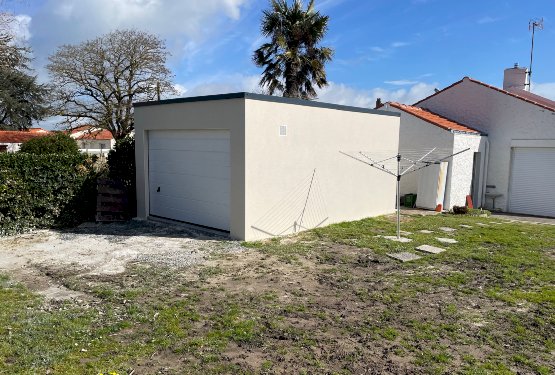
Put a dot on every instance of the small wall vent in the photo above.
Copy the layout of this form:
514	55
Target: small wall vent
283	130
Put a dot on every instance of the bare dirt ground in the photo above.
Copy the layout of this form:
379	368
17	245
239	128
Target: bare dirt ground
103	249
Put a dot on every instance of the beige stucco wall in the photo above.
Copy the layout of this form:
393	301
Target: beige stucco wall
279	169
506	120
203	115
272	175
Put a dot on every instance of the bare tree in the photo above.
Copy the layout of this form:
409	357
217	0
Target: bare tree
98	80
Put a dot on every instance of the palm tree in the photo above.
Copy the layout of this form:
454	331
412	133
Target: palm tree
293	61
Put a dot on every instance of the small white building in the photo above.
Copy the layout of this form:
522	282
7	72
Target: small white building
423	130
92	140
260	166
515	158
11	140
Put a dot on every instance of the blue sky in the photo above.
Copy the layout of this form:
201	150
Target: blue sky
394	49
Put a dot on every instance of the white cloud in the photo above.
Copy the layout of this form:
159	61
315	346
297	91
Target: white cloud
336	93
401	82
184	24
16	25
166	17
546	90
399	44
346	95
220	84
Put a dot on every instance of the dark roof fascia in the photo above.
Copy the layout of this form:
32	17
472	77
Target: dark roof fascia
267	98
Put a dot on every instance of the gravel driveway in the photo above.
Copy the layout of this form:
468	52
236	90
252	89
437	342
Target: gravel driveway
104	249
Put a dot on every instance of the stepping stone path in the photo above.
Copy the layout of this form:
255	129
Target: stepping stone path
447	229
425	231
405	233
482	225
447	240
394	238
430	249
404	257
465	226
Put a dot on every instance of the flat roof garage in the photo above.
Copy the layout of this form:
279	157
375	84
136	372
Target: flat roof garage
259	166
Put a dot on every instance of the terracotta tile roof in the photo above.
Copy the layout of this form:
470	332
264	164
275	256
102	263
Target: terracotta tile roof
20	136
524	95
88	132
434	118
101	135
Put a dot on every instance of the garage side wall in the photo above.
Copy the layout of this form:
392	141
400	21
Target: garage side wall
296	177
200	115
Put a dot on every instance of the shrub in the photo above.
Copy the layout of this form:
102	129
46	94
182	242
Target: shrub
42	191
57	143
121	164
460	210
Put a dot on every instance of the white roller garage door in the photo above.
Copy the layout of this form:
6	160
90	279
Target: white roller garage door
189	176
532	189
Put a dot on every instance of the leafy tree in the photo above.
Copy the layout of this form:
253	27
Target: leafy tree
98	80
57	143
293	61
22	99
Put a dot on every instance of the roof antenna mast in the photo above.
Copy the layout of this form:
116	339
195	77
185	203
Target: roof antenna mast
532	26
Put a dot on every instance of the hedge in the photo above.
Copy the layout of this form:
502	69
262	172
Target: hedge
45	191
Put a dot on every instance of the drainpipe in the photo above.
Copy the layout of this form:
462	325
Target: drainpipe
485	175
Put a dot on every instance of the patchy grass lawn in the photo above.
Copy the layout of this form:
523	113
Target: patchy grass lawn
326	301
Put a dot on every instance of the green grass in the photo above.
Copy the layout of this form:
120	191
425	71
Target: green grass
329	301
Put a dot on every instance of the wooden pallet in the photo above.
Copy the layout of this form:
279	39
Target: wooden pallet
111	201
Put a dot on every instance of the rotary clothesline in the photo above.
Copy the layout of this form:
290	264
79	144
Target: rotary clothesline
402	163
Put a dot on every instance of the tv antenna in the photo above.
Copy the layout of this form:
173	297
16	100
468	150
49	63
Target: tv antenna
532	26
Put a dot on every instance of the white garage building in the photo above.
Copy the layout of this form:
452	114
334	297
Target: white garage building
260	166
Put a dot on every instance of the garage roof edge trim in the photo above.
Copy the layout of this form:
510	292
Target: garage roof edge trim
267	98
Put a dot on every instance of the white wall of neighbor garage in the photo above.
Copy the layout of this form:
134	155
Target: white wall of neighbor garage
270	175
279	168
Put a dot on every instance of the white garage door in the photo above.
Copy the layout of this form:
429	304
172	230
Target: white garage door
189	176
532	189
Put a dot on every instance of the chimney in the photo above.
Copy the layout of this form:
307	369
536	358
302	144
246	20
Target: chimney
516	79
379	103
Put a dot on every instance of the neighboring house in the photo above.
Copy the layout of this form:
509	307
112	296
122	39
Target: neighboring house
424	130
260	166
92	140
514	161
11	140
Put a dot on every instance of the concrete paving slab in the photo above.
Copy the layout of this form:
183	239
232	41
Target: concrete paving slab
465	226
425	231
447	229
404	256
394	238
447	240
403	233
482	225
430	249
